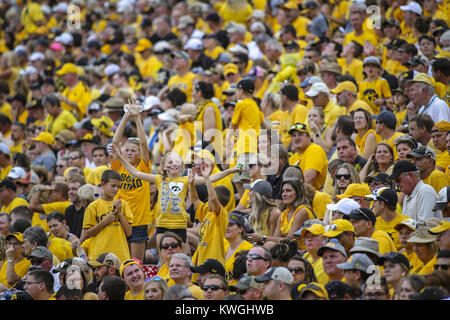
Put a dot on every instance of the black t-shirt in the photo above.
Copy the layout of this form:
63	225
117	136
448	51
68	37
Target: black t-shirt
74	219
276	183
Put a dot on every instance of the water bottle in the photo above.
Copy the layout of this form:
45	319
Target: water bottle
81	253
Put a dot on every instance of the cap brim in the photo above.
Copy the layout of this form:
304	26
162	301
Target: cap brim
239	286
263	278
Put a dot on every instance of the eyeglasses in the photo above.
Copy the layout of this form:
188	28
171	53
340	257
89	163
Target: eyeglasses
172	245
441	266
74	157
213	287
60	166
296	270
97	195
345	176
308	57
32	282
256	256
375	294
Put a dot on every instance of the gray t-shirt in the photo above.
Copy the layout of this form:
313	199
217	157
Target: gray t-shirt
319	25
47	160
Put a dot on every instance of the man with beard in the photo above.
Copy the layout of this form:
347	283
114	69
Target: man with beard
107	264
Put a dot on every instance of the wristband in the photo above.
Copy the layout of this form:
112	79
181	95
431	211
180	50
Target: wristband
263	239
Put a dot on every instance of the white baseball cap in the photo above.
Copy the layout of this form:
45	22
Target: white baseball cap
345	205
317	88
65	38
412	6
36	56
17	173
194	44
150	102
111	69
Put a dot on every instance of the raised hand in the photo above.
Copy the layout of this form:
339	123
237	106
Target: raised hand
206	169
133	107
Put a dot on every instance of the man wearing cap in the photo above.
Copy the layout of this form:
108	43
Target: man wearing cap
411	12
43	257
293	112
57	118
442	233
338	210
231	73
423	95
420	198
5	160
364	220
332	253
384	207
248	288
424	244
329	72
320	96
8	196
15	265
187	30
342	231
398	58
209	267
184	79
310	157
347	97
277	283
385	126
356	270
313	238
76	96
46	156
425	159
438	135
106	264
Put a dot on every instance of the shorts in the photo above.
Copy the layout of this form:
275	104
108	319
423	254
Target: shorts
180	232
139	234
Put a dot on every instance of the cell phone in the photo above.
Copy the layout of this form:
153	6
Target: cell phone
189	171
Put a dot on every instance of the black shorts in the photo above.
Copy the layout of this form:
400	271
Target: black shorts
139	234
182	233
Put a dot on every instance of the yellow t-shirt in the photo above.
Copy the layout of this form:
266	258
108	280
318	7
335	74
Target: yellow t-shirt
413	259
384	240
112	237
21	269
248	118
211	235
184	83
286	225
298	114
79	94
164	273
389	228
60	206
37	221
423	269
31	13
229	264
321	276
5	171
148	67
438	180
94	176
61	248
170	208
65	120
443	159
369	91
361	141
319	204
196	291
20	147
240	14
314	157
332	112
13	204
355	68
184	140
129	295
275	119
135	192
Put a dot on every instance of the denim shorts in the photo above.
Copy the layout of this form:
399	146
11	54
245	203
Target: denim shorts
180	232
139	234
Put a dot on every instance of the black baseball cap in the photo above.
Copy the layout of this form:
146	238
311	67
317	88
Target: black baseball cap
394	257
35	103
402	166
380	177
213	17
395	43
337	289
236	218
247	85
388	196
8	184
210	265
387	118
362	214
19	97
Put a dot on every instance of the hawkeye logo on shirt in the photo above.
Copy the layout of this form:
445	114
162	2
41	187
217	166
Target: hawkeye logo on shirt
129	182
371	94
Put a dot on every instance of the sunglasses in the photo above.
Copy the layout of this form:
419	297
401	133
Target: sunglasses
169	245
97	195
251	165
441	266
345	176
375	294
213	287
74	157
255	257
156	278
296	270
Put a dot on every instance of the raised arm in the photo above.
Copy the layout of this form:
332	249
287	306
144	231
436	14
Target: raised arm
132	170
213	201
217	176
116	140
193	196
143	147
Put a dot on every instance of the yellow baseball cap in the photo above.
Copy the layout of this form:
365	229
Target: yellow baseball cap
424	78
66	68
104	125
442	126
45	137
143	44
230	68
345	86
443	226
16	235
301	127
290	5
315	229
314	287
337	227
355	189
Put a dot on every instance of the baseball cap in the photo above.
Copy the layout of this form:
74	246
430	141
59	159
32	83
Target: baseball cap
387	118
236	218
44	137
261	186
247	85
421	235
65	38
143	44
150	102
362	214
281	274
416	60
422	152
337	227
430	293
8	184
441	227
315	229
366	245
443	198
377	176
394	257
236	27
184	22
386	195
357	261
17	173
395	43
194	44
371	60
4	148
413	7
402	166
161	47
316	288
247	281
316	88
310	80
391	22
213	16
239	48
337	289
424	78
66	68
40	252
94	106
345	86
410	223
35	103
111	69
355	189
230	68
106	259
35	56
183	55
210	265
345	205
332	244
300	127
17	235
441	126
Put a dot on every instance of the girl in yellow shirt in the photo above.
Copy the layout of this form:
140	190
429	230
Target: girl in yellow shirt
366	138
